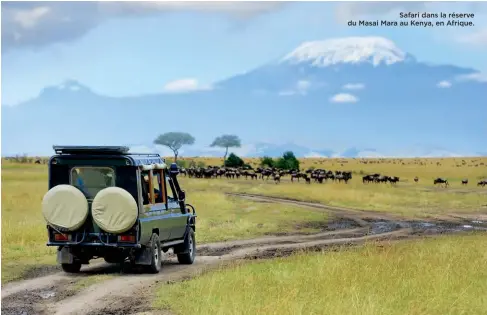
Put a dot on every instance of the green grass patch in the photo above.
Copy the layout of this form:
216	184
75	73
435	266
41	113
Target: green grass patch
439	276
223	218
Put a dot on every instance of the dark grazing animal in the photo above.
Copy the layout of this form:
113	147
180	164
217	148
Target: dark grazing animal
277	178
464	181
440	181
393	179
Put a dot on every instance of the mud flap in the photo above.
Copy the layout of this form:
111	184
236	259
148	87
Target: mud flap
181	248
64	256
144	256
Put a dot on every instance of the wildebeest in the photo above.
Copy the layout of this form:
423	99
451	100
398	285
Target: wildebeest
393	179
277	178
368	179
482	183
416	179
343	176
441	181
464	181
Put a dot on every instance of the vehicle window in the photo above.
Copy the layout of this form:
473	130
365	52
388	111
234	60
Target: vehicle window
145	187
156	179
90	180
170	189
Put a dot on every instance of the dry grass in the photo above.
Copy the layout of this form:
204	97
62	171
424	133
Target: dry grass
434	276
225	218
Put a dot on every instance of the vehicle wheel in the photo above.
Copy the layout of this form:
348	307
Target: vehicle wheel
156	253
71	268
190	248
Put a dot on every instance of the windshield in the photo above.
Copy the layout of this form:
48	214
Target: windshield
90	180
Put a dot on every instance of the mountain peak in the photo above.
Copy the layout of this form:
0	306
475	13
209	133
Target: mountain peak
66	87
369	49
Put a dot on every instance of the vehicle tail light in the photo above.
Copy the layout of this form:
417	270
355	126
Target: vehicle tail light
126	238
62	237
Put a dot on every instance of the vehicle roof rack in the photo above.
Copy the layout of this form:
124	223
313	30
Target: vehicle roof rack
92	150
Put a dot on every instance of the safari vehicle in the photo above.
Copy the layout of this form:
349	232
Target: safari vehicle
104	202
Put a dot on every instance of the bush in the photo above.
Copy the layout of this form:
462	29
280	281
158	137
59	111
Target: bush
182	163
288	161
234	161
267	162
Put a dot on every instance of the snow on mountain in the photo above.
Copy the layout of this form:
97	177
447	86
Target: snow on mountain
375	50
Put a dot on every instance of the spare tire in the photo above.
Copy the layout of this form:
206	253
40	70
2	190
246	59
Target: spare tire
114	210
65	208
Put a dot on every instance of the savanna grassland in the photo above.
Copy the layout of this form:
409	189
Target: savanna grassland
407	197
441	275
438	276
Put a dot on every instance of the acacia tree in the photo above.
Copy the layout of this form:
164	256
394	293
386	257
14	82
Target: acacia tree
226	141
174	141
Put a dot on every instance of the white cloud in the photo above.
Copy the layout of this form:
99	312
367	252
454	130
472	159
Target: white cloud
29	18
476	76
184	85
354	86
240	9
314	155
343	98
478	38
35	24
444	84
286	93
301	87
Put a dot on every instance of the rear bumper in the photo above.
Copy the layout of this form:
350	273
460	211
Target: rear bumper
82	239
94	244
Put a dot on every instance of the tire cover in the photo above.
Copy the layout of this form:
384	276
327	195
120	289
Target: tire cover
114	210
65	207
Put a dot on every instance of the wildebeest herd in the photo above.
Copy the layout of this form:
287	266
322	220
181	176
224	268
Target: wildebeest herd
315	175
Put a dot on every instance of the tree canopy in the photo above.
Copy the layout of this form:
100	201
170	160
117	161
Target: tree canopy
174	141
267	162
288	161
226	141
234	161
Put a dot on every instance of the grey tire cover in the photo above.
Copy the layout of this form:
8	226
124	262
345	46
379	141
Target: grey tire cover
65	207
114	210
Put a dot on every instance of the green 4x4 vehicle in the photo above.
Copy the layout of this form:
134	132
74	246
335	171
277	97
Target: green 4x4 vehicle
104	202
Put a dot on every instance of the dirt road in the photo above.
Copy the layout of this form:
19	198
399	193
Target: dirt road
129	292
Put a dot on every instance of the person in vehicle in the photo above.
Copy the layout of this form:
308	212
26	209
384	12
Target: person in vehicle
157	193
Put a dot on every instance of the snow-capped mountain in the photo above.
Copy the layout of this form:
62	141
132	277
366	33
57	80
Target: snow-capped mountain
357	93
374	50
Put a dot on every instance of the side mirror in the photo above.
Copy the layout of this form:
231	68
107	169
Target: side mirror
182	195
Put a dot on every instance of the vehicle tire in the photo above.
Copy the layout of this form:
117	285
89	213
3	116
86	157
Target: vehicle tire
189	245
71	268
156	253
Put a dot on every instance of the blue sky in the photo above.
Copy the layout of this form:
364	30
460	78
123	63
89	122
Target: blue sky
121	49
